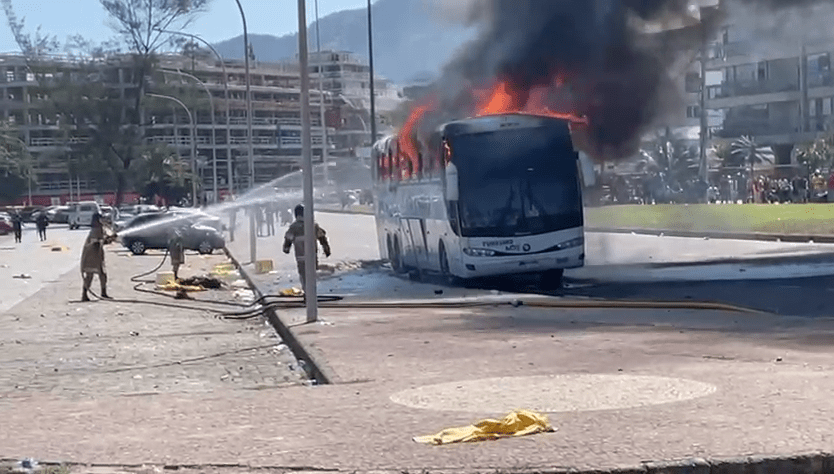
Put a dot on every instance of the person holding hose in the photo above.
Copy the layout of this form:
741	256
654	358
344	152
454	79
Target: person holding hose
295	238
92	257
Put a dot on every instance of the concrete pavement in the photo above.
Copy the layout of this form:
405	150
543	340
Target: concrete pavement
629	390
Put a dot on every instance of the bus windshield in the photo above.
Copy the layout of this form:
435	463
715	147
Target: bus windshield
514	182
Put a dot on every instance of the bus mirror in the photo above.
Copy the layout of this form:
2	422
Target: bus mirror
451	182
586	170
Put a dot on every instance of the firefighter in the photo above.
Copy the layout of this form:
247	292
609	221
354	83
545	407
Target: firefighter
92	257
177	251
295	238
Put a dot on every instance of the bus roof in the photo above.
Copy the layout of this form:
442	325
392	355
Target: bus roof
497	122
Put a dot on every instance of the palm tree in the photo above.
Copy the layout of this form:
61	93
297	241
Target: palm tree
671	153
747	151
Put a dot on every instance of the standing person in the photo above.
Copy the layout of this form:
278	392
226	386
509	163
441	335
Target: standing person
270	219
42	221
92	257
295	238
176	249
17	226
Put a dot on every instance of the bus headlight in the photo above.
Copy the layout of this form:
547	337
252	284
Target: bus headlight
479	252
573	243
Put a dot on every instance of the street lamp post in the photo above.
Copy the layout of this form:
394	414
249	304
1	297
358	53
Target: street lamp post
325	144
213	125
371	64
248	97
229	164
193	144
310	249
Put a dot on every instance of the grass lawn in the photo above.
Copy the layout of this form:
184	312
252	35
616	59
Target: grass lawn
784	219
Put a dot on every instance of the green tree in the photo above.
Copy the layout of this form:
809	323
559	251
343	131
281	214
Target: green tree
671	153
16	164
162	172
750	153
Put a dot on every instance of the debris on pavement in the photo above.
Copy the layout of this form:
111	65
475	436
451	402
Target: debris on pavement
515	424
23	276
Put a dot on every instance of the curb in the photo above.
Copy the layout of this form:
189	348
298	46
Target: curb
795	238
809	463
314	365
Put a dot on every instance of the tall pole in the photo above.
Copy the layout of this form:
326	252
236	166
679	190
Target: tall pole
702	105
248	98
213	124
193	144
229	165
310	249
325	145
371	64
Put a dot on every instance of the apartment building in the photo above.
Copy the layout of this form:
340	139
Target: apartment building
222	147
346	78
779	92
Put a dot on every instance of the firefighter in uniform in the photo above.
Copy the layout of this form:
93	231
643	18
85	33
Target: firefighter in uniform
92	257
177	251
295	238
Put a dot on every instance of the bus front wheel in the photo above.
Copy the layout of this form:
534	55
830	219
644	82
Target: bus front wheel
397	257
445	272
552	279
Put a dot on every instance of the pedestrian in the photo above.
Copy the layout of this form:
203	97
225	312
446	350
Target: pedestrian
295	238
92	257
270	219
176	249
17	226
41	222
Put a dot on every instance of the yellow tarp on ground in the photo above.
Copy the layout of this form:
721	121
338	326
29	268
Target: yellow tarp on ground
178	287
517	423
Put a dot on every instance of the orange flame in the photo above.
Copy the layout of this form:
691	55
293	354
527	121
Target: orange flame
407	138
503	99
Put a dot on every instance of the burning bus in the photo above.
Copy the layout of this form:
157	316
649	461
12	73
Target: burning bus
488	196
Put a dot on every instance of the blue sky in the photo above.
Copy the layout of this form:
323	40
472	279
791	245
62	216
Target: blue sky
222	21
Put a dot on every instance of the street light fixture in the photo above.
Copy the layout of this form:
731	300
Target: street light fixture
248	97
213	124
229	164
193	144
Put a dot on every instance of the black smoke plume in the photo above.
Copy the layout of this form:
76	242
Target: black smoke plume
614	72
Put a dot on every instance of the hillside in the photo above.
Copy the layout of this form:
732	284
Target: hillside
409	40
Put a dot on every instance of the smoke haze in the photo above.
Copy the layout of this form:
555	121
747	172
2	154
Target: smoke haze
610	70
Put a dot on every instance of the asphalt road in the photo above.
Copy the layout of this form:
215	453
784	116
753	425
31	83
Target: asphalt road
783	278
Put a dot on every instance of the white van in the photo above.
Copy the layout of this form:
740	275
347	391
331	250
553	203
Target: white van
81	213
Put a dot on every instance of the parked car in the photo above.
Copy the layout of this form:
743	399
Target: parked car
153	230
29	213
81	213
5	223
58	214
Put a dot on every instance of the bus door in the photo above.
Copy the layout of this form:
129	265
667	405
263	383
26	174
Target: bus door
415	233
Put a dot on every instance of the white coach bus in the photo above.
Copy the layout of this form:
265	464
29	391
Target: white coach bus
488	196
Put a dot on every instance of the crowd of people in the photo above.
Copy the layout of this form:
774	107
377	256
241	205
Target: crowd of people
659	188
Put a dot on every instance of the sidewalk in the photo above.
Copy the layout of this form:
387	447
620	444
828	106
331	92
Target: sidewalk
625	388
135	389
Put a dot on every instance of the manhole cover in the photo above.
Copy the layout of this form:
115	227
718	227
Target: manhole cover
552	394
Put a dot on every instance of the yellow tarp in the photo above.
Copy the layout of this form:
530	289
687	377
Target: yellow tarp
517	423
291	292
178	287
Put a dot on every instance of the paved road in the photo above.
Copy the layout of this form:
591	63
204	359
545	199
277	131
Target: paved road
784	278
37	260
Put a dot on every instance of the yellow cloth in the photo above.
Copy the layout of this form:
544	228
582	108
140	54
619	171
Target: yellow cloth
178	287
517	423
291	292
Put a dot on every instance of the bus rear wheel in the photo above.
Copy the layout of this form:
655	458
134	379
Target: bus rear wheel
397	257
552	279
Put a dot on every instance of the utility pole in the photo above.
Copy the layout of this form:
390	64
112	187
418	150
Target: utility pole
702	104
248	98
371	64
193	144
310	249
325	146
229	164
